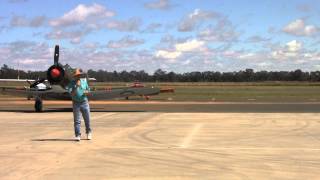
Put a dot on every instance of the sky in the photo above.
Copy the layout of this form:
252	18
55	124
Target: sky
174	35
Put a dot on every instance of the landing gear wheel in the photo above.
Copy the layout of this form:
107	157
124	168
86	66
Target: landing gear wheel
38	105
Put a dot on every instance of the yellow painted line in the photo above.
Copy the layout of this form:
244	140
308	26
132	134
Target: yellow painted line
188	139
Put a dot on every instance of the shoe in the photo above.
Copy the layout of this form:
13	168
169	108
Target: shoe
78	138
89	136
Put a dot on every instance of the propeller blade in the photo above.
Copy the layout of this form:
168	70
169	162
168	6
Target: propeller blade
41	80
56	55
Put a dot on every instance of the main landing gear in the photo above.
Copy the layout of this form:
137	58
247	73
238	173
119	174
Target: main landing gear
38	105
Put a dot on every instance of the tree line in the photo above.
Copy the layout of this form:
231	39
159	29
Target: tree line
248	75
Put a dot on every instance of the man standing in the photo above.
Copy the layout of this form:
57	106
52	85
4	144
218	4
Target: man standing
79	89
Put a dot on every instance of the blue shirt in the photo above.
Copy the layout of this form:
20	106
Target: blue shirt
79	95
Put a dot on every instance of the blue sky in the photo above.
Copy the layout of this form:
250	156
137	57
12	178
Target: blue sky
173	35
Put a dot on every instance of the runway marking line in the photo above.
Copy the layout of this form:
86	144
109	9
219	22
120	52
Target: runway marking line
103	115
110	138
216	148
188	139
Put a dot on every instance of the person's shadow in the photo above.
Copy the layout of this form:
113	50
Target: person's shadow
55	139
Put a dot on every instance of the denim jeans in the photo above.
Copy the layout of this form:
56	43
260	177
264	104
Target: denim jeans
84	108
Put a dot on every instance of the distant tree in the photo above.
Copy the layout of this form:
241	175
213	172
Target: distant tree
315	76
248	75
159	75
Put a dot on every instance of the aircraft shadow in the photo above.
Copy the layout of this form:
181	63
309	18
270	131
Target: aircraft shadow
55	110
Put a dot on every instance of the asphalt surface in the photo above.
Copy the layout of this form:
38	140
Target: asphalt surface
157	145
168	106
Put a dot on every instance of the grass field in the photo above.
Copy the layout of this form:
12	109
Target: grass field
226	92
268	92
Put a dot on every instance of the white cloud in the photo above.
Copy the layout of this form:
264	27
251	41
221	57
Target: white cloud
244	56
159	4
90	46
168	54
82	14
194	19
290	52
264	64
231	54
299	28
247	56
111	60
130	25
180	48
294	52
294	46
312	56
28	61
21	21
187	62
152	28
38	56
30	55
189	45
74	36
257	39
221	30
125	42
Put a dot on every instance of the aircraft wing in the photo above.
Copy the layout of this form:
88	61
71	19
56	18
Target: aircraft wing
61	94
32	80
14	91
122	92
28	92
16	80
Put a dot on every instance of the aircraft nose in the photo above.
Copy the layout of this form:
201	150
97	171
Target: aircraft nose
55	73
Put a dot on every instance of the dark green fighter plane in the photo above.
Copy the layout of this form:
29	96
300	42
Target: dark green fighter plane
59	76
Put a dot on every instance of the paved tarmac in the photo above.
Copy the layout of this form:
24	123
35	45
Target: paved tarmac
159	145
18	105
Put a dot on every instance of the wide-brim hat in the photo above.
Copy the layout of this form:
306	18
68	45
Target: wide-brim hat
77	72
